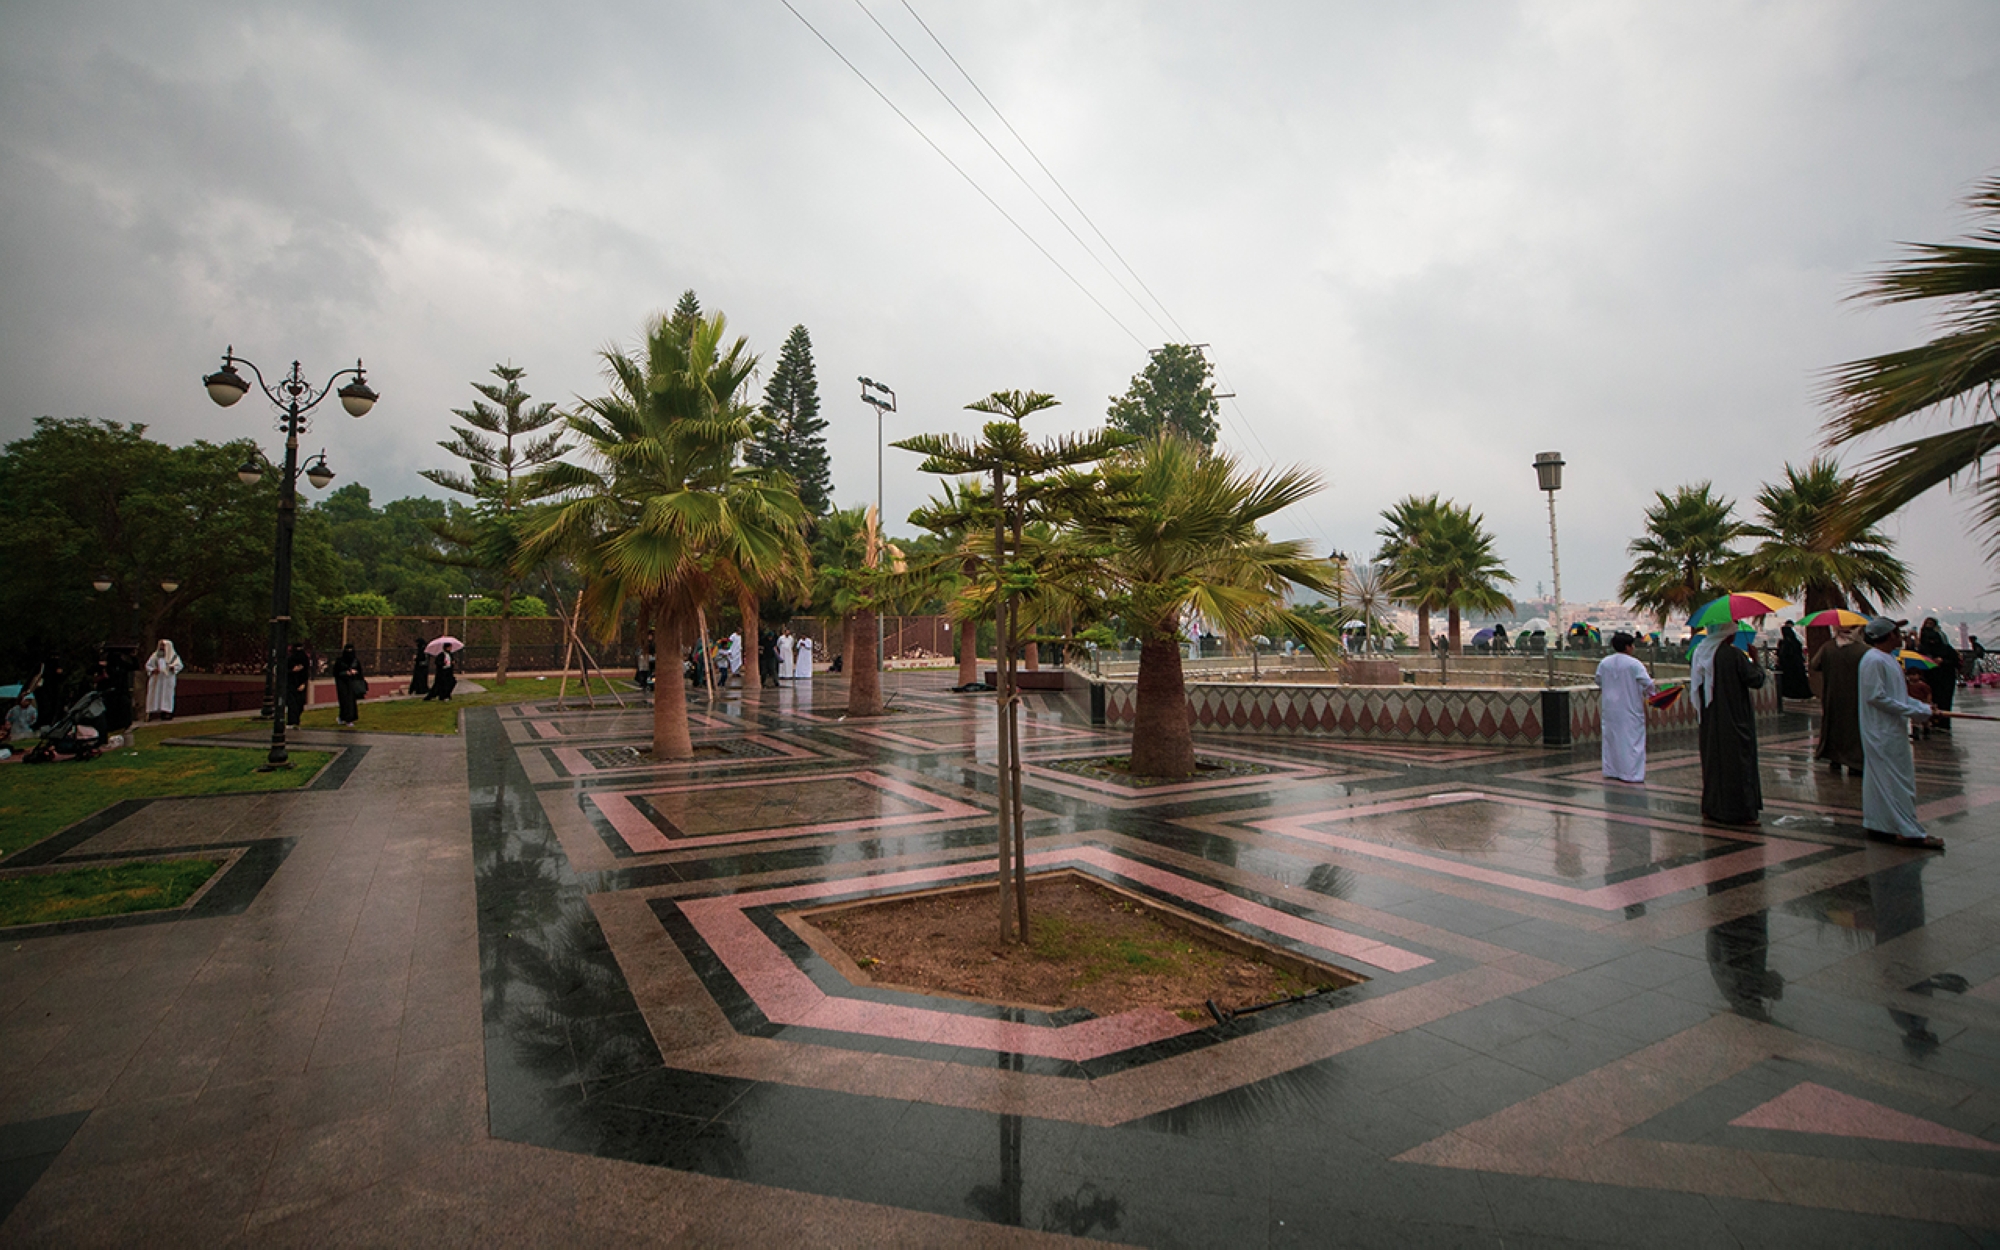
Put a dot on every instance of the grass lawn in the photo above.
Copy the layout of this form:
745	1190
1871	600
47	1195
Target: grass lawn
85	892
36	800
414	716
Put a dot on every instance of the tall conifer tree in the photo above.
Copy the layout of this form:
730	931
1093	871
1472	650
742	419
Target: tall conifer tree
503	444
790	436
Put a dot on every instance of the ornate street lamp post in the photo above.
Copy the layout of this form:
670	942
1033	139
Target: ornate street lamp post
294	398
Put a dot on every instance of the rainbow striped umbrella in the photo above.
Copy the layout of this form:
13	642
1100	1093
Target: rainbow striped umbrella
1737	607
1835	618
1916	661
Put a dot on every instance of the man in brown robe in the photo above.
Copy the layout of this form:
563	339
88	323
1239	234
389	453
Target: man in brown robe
1837	665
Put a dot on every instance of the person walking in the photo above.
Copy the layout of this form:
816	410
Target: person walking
1889	783
1943	677
1625	685
1793	680
1838	666
349	685
420	672
1721	682
163	670
298	676
444	677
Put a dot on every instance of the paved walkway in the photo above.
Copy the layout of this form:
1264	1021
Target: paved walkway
525	987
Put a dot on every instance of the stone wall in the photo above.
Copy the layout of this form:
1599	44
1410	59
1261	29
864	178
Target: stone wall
1482	715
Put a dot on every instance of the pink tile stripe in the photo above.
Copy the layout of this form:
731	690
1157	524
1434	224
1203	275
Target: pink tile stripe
644	837
787	996
1759	853
1812	1108
572	758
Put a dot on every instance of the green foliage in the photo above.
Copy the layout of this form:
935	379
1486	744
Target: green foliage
1814	546
1955	371
79	498
524	605
790	437
1685	549
1188	538
394	550
363	603
1173	393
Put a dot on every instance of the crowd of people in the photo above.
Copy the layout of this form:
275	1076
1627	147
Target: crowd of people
1870	709
781	657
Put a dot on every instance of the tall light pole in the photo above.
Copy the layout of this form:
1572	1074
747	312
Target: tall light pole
880	406
881	522
1549	472
294	399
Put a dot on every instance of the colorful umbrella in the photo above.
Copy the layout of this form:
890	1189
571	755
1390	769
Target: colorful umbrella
1736	607
1669	694
1835	618
1915	661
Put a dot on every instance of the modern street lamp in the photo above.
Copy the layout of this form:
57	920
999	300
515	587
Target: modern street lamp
1549	473
294	399
880	406
882	522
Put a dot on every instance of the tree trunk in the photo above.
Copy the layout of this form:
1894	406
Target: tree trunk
753	675
671	740
1031	652
506	631
1818	599
968	651
1451	628
864	680
1423	629
1162	735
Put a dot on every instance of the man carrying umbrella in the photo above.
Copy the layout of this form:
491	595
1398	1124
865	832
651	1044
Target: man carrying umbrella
1889	782
1720	681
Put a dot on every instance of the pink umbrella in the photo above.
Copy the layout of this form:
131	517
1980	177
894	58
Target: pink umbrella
442	641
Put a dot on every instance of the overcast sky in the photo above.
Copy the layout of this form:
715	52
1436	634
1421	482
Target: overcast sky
1425	241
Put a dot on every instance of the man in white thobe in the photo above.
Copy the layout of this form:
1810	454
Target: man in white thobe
1889	778
802	667
1625	685
735	650
784	655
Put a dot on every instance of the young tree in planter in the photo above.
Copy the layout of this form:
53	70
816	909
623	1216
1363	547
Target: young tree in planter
1188	540
790	436
501	484
1031	482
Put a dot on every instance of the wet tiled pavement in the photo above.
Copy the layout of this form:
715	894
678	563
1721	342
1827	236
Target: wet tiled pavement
525	985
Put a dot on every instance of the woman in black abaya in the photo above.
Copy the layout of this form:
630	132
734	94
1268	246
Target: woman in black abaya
1721	682
420	672
1793	681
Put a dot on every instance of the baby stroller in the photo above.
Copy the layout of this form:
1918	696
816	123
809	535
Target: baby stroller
69	736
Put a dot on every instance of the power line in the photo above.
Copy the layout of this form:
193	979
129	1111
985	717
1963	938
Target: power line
1018	175
970	181
1185	336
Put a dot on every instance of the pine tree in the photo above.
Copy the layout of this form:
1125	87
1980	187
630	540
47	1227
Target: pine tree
1173	392
789	437
686	314
500	485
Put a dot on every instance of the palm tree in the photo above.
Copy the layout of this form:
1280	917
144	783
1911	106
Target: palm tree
856	577
1401	554
663	496
1955	371
1685	546
1189	542
1457	560
1814	548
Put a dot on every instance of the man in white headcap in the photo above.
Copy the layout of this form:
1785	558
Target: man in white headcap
1889	779
1625	685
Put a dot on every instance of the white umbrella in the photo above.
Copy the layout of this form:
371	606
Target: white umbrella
1539	625
442	641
